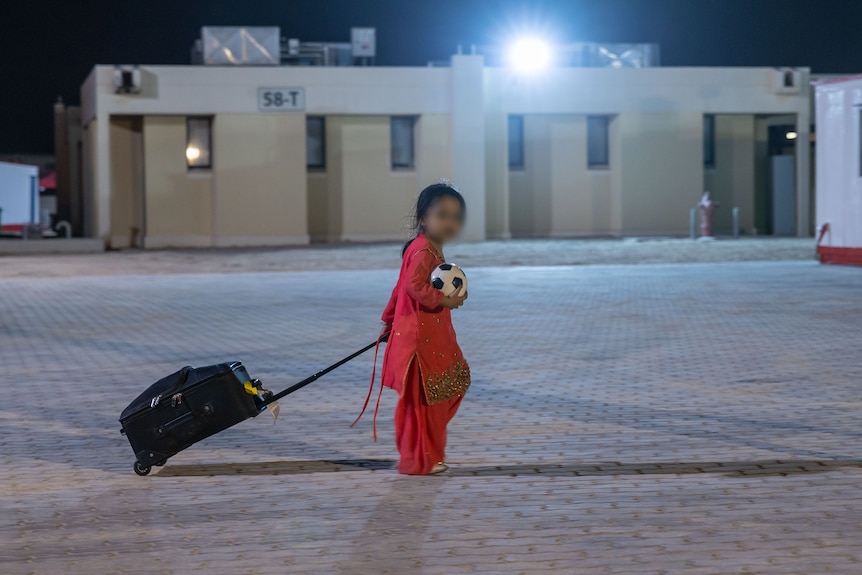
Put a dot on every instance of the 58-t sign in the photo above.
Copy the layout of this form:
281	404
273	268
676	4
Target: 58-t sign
281	99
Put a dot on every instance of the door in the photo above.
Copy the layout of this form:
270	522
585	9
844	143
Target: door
783	196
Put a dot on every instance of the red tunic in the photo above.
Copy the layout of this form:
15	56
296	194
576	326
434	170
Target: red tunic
422	330
423	363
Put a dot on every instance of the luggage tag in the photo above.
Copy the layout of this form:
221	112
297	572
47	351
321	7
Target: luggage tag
274	408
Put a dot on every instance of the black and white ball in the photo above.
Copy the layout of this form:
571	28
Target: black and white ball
448	278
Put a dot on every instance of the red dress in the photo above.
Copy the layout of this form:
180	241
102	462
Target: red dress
423	362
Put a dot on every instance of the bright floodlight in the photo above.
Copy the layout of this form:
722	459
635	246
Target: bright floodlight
529	55
193	153
791	135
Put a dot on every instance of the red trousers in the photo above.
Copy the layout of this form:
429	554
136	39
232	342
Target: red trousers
420	429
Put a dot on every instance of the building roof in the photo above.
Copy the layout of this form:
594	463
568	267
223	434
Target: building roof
836	80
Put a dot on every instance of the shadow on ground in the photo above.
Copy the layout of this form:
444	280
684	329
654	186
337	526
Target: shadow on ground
276	467
729	469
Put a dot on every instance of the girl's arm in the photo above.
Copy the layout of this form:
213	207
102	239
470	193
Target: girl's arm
418	284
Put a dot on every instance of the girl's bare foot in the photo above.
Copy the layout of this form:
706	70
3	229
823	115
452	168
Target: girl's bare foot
438	468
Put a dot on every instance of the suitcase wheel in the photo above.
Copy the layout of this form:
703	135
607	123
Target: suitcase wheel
140	469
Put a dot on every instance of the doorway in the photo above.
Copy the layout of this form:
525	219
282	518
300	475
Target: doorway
128	223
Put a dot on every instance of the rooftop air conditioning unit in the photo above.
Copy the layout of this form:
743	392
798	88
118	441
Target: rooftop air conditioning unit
127	79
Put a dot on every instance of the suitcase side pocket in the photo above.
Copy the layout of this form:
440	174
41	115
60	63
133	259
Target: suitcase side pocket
184	419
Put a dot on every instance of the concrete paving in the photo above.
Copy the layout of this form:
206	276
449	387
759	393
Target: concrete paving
539	252
657	419
43	246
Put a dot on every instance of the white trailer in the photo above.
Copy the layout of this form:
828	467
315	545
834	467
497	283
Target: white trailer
839	169
19	196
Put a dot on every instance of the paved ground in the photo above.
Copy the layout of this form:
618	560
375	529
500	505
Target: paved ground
656	419
381	256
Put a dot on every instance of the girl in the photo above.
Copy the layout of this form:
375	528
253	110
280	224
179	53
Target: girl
423	362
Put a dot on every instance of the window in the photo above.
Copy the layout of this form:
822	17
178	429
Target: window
199	143
315	142
401	128
709	140
516	142
598	153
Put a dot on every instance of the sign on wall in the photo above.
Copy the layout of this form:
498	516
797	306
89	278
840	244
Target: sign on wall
281	99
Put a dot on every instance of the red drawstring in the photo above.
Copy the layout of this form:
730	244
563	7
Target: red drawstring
371	389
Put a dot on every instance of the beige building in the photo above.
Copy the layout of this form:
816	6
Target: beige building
241	156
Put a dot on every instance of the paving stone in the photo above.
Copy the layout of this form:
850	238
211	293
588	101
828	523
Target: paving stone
658	419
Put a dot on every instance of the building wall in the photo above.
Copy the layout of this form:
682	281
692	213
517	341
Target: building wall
89	161
260	192
127	182
76	168
359	197
259	180
661	171
556	193
580	196
318	201
433	145
467	149
179	203
497	176
375	199
530	187
731	182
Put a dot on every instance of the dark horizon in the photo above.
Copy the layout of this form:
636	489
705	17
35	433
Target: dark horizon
50	47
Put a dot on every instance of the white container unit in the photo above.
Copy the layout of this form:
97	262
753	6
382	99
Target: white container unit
19	196
839	170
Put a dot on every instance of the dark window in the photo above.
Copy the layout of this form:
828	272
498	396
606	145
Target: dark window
401	129
598	141
709	140
199	143
315	142
516	142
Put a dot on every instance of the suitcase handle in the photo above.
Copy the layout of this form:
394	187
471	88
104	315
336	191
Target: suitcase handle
321	373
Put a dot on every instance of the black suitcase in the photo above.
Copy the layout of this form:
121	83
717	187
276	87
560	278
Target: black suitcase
194	403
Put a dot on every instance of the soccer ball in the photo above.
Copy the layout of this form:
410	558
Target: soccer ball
448	278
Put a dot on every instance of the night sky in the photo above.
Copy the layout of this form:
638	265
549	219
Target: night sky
48	48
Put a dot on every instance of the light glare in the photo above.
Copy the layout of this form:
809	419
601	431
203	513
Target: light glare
529	55
193	153
791	135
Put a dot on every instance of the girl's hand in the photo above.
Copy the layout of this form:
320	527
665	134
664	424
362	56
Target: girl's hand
385	330
455	300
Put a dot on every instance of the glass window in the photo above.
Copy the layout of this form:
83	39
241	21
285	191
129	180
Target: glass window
598	141
401	128
315	142
199	143
516	142
709	140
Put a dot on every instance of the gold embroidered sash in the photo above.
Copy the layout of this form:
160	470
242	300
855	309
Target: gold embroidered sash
440	387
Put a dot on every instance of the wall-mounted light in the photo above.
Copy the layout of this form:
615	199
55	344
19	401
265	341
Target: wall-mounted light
791	135
193	153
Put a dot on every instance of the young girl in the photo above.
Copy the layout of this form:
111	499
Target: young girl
423	362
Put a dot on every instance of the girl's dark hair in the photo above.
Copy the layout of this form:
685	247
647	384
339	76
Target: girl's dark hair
427	198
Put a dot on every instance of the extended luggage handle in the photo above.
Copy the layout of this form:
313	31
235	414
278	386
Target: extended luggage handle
321	373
